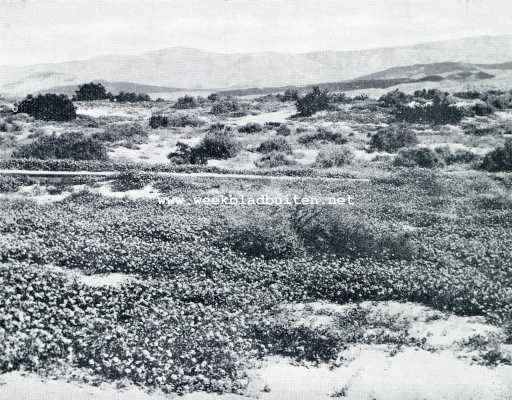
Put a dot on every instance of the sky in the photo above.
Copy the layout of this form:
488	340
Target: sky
40	31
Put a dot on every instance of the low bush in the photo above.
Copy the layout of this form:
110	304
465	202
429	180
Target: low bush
215	145
251	127
117	132
48	107
392	138
69	145
131	97
500	159
423	157
329	230
278	143
12	183
313	102
131	180
439	112
275	159
91	91
336	156
459	156
283	130
186	102
322	135
157	121
224	106
175	121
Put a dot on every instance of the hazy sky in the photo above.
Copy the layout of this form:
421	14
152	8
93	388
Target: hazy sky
35	31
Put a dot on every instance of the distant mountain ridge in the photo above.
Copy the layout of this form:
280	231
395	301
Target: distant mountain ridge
196	69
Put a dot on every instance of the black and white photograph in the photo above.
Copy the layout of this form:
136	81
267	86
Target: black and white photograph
255	200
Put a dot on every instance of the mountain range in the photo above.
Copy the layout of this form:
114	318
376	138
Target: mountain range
196	69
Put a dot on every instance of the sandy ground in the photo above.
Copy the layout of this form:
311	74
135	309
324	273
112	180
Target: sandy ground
367	372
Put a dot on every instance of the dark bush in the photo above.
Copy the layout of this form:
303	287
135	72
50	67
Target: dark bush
131	97
459	156
423	157
157	121
395	98
275	144
48	107
392	138
314	101
322	135
439	112
186	102
72	145
91	91
215	145
500	159
225	106
251	127
283	130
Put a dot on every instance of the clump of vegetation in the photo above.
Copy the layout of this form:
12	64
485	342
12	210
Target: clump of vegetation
186	102
91	91
72	145
394	99
174	121
500	159
251	127
459	156
423	157
279	144
313	102
329	230
392	138
12	183
225	106
48	107
336	156
9	125
283	130
131	180
134	133
131	97
215	145
288	95
439	112
275	159
322	135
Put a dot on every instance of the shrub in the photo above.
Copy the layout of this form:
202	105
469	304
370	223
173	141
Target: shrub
12	183
72	145
482	108
499	159
157	121
251	127
288	95
91	91
218	146
186	102
322	135
175	121
418	157
114	133
468	95
392	138
279	144
275	159
131	97
336	156
264	236
329	230
182	121
131	180
215	145
48	107
314	101
439	112
395	98
283	130
461	156
224	106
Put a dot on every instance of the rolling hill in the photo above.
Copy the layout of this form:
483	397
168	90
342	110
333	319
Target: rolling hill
196	69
